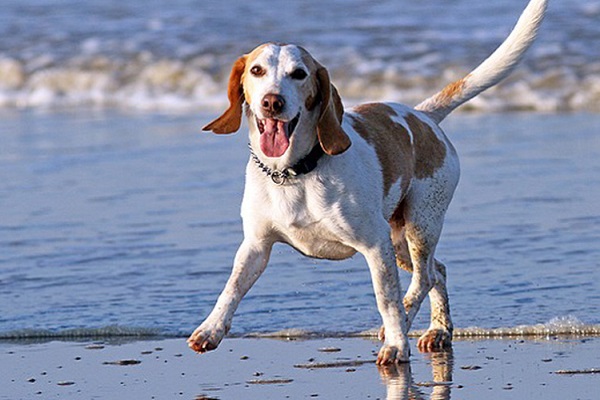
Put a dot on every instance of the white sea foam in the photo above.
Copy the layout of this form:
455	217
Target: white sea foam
111	331
170	84
559	326
169	57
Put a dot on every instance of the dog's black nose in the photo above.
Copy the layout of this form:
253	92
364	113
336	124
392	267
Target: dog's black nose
273	103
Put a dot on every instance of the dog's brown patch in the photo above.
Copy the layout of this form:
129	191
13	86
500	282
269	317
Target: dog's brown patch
322	92
390	139
430	151
444	98
398	237
250	60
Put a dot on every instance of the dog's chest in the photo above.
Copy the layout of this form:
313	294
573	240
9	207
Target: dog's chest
302	217
316	240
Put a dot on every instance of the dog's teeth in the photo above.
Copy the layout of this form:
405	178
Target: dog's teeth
261	125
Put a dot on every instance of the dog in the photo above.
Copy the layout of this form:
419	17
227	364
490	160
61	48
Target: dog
375	179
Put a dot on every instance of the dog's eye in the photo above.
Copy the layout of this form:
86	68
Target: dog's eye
257	70
298	74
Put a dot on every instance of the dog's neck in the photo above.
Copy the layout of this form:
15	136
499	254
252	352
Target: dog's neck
303	166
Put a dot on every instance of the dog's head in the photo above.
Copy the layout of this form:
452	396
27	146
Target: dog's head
289	101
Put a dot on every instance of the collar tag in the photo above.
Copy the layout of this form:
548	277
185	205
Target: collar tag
278	177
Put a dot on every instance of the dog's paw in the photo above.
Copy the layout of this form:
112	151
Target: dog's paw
435	340
205	339
390	354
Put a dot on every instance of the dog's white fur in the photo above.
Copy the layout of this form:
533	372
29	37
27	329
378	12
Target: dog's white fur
382	188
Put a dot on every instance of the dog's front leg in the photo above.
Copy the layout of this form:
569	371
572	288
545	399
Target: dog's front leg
386	283
250	261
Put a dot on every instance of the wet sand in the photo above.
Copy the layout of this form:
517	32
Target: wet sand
340	368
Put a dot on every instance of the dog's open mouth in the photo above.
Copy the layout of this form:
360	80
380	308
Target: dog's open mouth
275	135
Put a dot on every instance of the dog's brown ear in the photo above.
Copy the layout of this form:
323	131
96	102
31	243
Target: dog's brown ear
332	137
231	119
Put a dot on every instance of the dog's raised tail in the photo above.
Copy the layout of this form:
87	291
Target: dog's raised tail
491	71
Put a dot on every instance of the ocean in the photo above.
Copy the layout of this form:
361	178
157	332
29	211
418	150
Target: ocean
176	55
118	216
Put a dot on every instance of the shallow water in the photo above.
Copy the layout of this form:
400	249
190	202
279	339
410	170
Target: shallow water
133	220
177	55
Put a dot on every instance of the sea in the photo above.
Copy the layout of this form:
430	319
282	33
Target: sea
119	217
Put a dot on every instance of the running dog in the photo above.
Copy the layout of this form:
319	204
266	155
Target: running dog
375	179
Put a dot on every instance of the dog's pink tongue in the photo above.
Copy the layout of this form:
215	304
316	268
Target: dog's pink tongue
274	141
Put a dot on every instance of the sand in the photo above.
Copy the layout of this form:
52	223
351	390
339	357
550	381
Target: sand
340	368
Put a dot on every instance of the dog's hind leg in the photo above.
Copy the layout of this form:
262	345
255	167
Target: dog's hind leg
423	217
439	334
429	278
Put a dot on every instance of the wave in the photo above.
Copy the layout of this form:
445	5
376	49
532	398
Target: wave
148	84
559	326
177	55
111	331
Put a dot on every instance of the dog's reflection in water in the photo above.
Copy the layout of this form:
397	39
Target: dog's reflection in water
401	386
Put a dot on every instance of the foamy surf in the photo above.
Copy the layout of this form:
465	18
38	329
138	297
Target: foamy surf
559	326
107	332
177	85
176	57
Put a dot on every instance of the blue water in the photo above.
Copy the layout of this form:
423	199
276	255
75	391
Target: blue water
109	218
116	211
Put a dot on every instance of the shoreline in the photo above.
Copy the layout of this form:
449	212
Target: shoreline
566	327
332	368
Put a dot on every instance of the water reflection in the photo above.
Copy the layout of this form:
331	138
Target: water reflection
400	384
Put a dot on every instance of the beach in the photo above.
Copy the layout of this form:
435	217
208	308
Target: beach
139	244
338	368
120	218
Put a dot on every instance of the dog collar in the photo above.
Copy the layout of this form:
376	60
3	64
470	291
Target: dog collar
303	166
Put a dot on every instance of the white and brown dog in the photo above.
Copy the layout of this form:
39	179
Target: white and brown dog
375	179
